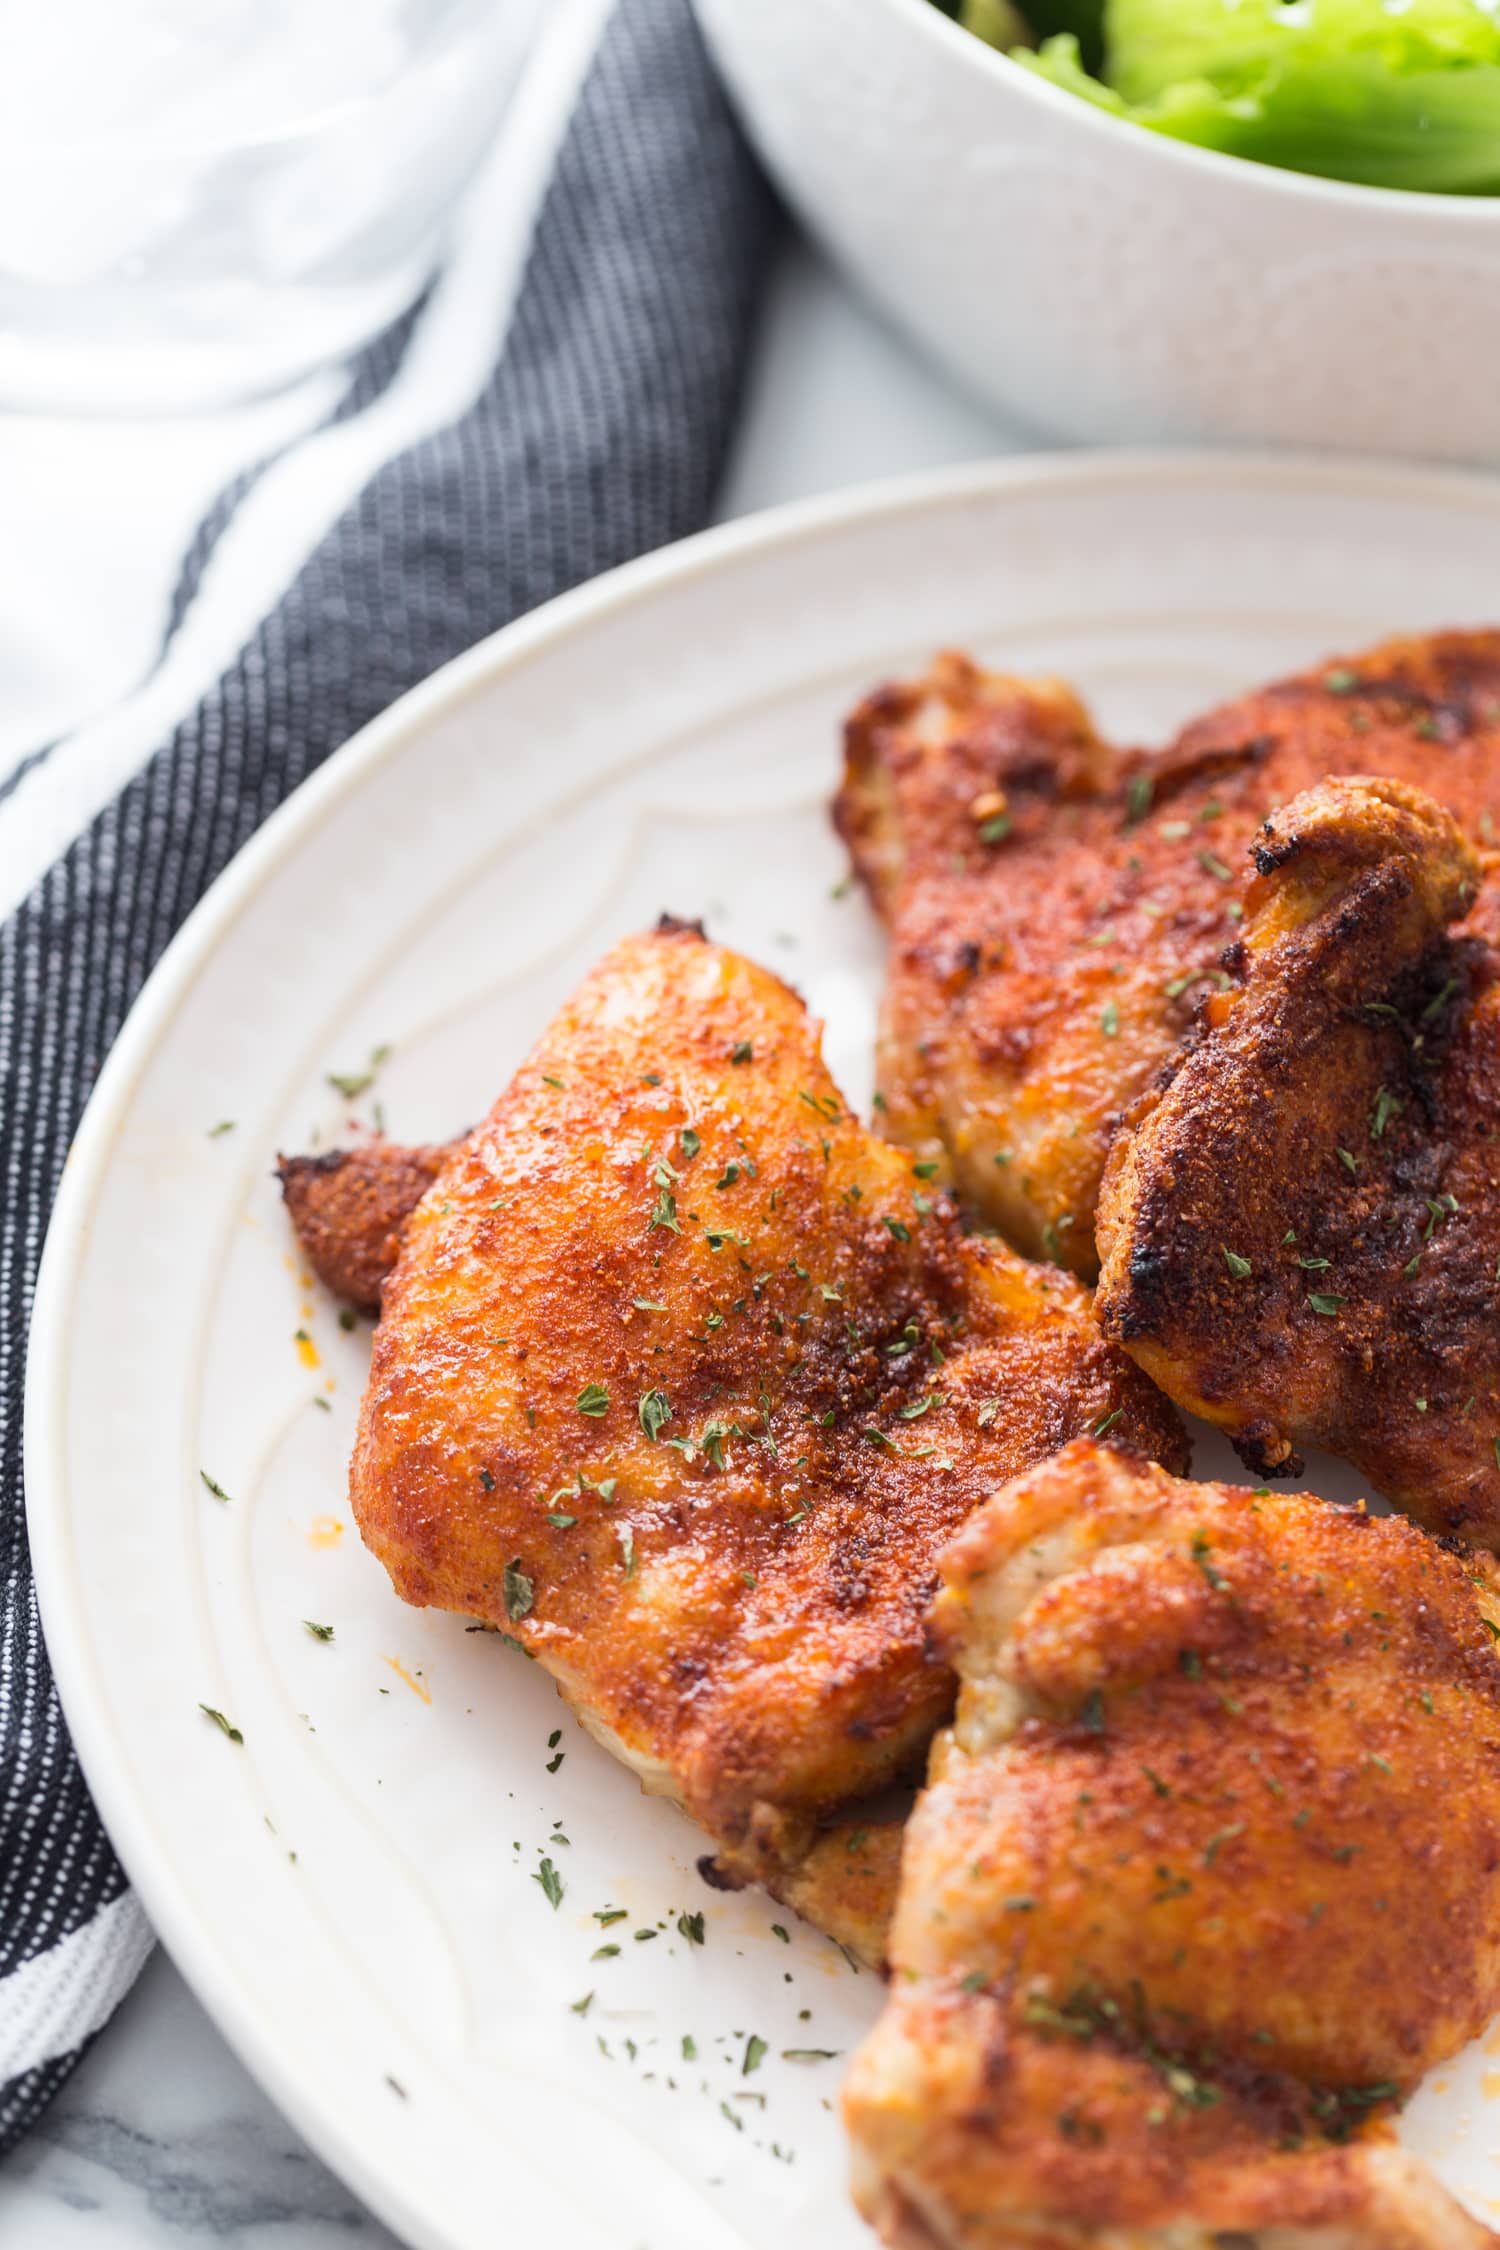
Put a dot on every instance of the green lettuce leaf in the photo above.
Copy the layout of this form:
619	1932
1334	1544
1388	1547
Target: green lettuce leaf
996	22
1083	18
1358	90
1246	46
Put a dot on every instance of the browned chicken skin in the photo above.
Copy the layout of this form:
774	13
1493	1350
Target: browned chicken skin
682	1379
349	1207
1206	1875
1058	910
1300	1228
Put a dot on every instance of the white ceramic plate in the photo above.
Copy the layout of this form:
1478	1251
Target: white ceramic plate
351	1891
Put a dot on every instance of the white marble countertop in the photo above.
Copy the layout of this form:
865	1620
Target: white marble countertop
161	2140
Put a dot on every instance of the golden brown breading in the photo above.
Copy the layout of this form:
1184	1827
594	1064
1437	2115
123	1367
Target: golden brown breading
1301	1229
844	1881
1058	910
349	1207
981	813
1206	1875
682	1379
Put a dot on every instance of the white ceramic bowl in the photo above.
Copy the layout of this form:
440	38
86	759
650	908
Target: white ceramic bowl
1102	281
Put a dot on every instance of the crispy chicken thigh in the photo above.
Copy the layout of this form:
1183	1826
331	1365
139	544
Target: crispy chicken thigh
1058	910
1206	1875
1301	1229
681	1381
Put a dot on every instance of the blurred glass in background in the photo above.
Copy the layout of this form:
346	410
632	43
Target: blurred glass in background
203	200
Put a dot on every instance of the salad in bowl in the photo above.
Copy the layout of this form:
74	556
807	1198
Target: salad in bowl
1387	93
1140	221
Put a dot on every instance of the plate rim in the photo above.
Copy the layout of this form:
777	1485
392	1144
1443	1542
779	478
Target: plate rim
198	1956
